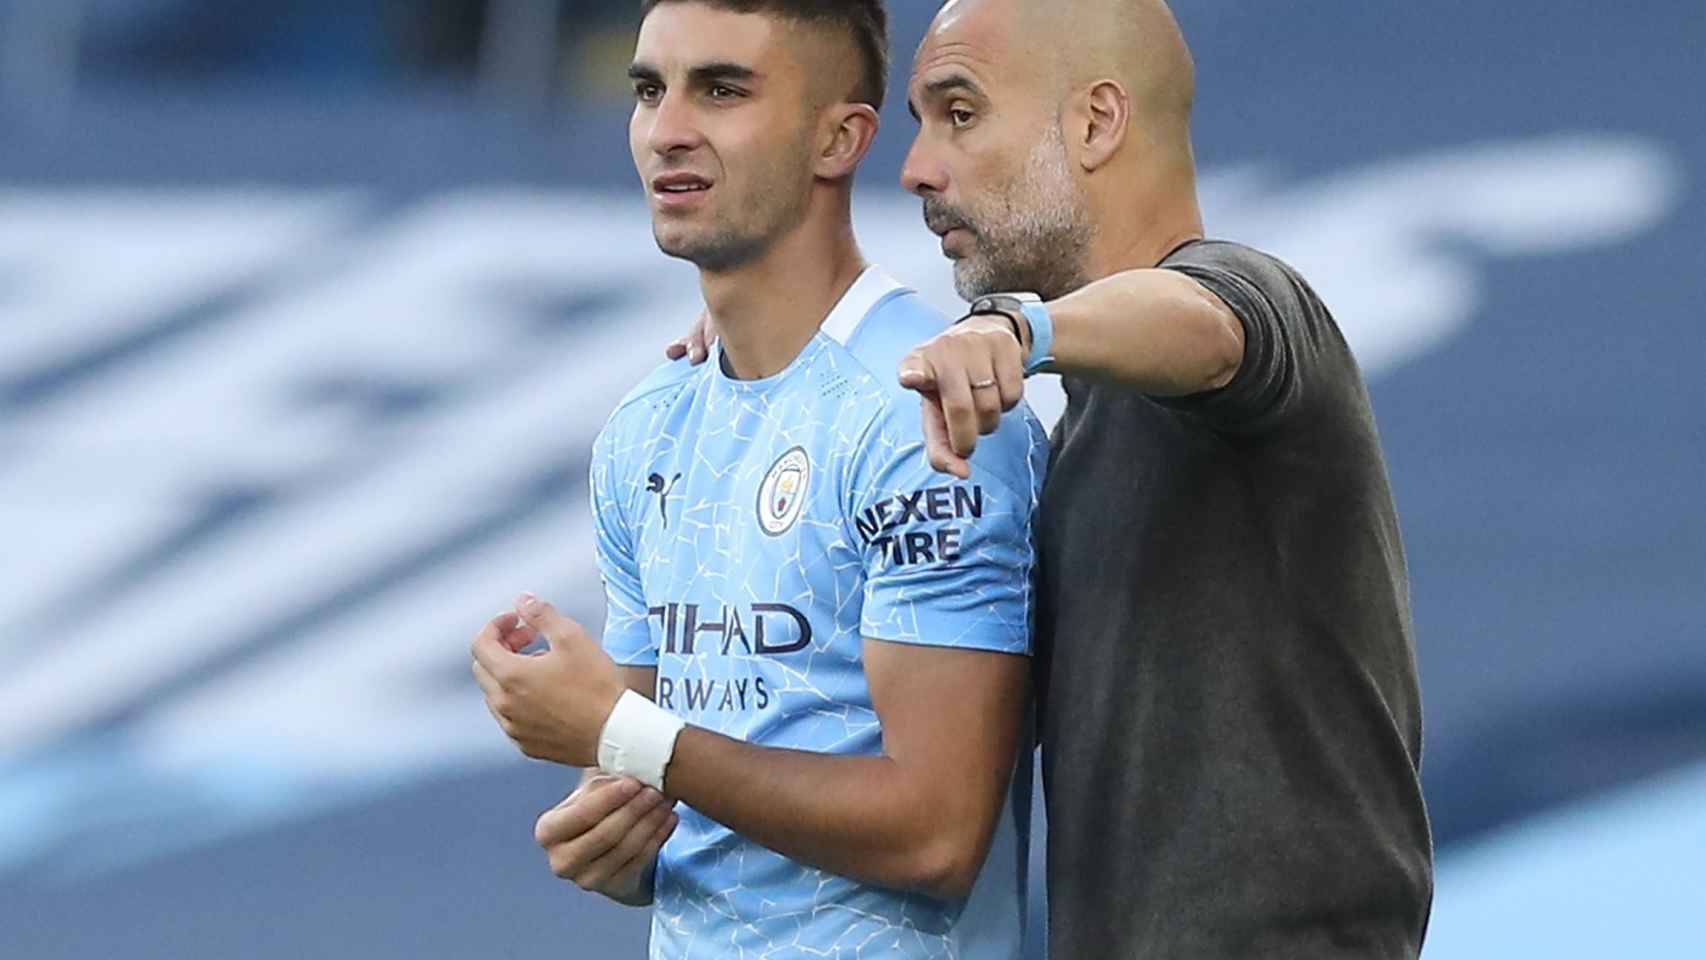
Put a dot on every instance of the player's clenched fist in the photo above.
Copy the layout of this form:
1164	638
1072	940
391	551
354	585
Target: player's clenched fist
968	376
606	836
552	704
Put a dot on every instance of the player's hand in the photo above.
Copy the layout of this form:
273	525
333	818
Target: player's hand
606	835
696	346
968	376
553	704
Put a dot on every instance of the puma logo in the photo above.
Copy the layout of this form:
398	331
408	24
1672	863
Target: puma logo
656	485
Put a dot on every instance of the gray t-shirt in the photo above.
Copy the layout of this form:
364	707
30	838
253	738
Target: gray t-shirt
1230	714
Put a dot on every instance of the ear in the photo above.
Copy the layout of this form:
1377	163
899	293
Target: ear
1104	115
849	129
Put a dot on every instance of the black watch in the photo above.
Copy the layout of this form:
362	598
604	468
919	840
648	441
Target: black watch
1039	344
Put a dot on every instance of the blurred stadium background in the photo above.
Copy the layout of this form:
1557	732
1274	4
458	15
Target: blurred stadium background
309	310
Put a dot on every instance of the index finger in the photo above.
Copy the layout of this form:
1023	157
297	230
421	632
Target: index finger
941	453
917	373
488	649
511	631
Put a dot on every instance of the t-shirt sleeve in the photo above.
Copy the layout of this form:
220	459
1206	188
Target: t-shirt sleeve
627	633
947	562
1295	358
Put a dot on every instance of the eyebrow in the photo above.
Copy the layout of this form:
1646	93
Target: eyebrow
708	73
953	82
701	75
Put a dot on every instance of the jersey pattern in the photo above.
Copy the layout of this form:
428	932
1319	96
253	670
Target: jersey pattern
751	535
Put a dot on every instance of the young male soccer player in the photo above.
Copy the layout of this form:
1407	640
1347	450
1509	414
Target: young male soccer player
814	642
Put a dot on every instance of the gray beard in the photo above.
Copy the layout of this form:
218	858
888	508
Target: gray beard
1048	276
1040	248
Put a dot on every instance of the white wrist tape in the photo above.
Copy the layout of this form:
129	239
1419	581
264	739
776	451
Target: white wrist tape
638	739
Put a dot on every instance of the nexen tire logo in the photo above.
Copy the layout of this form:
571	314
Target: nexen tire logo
880	525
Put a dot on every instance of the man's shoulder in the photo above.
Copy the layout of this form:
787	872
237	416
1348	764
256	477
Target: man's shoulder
1258	268
1217	251
669	377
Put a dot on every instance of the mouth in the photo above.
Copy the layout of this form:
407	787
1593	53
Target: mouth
953	241
942	228
948	225
679	189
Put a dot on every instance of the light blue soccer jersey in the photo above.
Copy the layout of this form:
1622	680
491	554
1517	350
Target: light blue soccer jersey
750	535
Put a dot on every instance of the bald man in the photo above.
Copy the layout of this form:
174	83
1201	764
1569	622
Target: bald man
1230	714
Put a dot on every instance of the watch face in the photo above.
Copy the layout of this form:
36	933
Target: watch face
1005	301
996	306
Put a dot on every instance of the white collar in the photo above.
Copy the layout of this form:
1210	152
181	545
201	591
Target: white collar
871	287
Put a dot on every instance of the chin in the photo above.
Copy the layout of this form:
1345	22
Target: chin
972	281
716	253
675	249
680	244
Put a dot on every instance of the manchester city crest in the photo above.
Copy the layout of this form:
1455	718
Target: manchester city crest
783	492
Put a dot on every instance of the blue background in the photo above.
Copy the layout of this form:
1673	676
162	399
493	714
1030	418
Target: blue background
300	357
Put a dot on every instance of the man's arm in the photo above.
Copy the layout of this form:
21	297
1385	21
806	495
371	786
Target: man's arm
1156	331
920	816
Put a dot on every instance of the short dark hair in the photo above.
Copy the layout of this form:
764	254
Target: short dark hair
865	21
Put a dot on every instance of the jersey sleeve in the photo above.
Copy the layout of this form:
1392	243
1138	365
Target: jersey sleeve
627	634
947	562
1296	360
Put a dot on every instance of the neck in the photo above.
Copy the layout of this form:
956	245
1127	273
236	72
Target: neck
766	311
1142	234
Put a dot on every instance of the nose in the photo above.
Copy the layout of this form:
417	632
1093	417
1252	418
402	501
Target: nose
673	126
923	174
